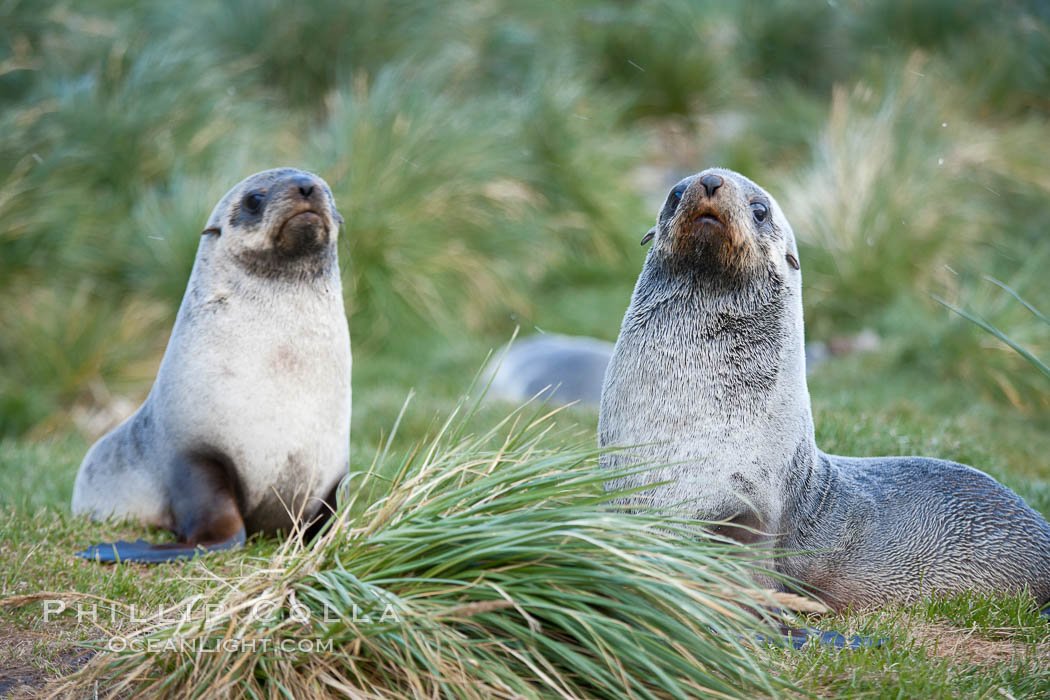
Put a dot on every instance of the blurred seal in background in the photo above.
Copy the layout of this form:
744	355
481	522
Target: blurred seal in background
560	368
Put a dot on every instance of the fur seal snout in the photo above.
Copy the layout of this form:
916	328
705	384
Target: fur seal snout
246	428
708	379
305	230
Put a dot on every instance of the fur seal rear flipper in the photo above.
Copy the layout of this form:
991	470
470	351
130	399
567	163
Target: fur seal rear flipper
246	428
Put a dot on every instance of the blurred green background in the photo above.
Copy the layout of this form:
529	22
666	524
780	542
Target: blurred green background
497	164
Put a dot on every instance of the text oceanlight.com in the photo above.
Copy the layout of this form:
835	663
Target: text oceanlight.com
226	646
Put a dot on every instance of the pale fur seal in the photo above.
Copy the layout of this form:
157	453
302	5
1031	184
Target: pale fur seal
561	369
249	417
708	379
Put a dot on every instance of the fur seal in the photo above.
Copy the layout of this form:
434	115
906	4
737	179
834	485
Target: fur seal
708	379
559	368
249	417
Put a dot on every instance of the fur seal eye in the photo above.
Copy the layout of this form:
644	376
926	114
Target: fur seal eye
252	202
760	211
674	198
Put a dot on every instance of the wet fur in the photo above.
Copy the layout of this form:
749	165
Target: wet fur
708	376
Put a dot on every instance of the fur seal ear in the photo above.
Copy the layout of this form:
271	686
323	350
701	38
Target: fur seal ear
213	230
649	236
792	261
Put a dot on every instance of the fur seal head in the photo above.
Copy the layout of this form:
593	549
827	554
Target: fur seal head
722	228
277	223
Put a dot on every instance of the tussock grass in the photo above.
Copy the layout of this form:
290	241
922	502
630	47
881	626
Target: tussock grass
1015	338
873	211
489	567
588	214
808	43
431	186
489	154
346	41
74	339
689	68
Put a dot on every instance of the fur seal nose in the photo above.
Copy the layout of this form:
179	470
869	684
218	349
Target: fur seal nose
305	185
711	183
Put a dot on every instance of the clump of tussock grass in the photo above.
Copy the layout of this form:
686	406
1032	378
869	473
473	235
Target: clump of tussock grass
71	348
818	45
879	205
507	575
585	209
809	43
24	28
81	150
927	25
613	49
345	40
669	58
429	234
458	202
1007	82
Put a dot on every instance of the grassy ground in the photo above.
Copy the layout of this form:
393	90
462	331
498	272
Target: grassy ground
496	164
863	406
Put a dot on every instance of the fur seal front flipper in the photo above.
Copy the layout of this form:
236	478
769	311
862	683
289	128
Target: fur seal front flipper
143	552
798	637
204	509
246	428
